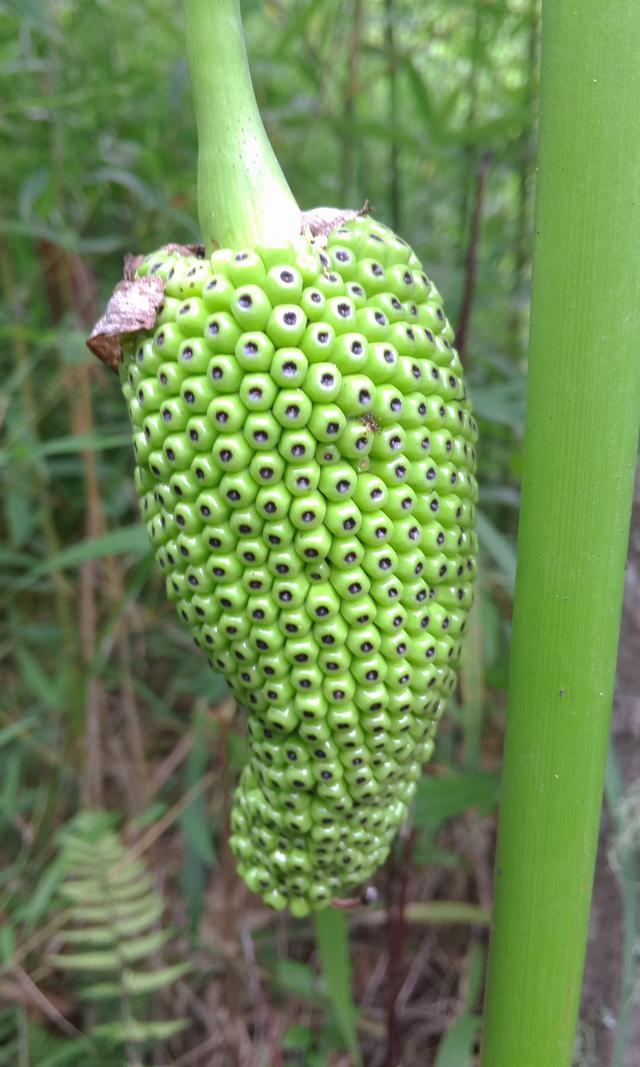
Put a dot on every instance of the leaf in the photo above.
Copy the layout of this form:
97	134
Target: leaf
451	794
332	938
131	951
122	915
86	961
102	991
43	687
297	979
474	977
16	729
136	982
502	402
447	911
499	548
422	96
87	442
297	1038
139	1032
130	540
456	1048
44	893
123	885
149	912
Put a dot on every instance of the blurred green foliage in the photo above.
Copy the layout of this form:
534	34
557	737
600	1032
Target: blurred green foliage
427	111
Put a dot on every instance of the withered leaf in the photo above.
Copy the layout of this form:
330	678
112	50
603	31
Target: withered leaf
133	306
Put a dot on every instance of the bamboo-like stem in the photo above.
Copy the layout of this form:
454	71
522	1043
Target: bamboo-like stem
580	447
243	196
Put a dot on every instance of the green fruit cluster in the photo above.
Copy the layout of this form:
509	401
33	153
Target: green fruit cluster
305	461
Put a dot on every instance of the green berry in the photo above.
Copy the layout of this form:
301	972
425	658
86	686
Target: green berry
305	459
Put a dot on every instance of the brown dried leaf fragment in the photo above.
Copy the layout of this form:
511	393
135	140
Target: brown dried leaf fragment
321	221
133	306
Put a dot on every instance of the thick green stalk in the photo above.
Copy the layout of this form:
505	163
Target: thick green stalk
243	196
580	450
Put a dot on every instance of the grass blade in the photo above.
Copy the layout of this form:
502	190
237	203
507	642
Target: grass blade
332	938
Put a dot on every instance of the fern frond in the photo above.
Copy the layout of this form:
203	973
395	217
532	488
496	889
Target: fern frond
114	932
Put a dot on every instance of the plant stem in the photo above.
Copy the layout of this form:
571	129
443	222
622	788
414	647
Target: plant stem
580	445
395	192
243	196
350	98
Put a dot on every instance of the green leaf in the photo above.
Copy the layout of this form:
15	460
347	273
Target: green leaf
332	937
136	982
297	1038
144	946
125	885
87	442
16	729
500	550
440	798
44	687
139	1032
130	540
297	978
44	893
102	991
86	961
456	1048
128	918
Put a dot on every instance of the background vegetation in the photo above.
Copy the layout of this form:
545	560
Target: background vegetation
126	935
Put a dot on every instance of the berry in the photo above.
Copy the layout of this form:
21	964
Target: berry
305	457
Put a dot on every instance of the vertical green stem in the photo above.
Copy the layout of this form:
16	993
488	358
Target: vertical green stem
395	192
350	97
243	196
581	438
